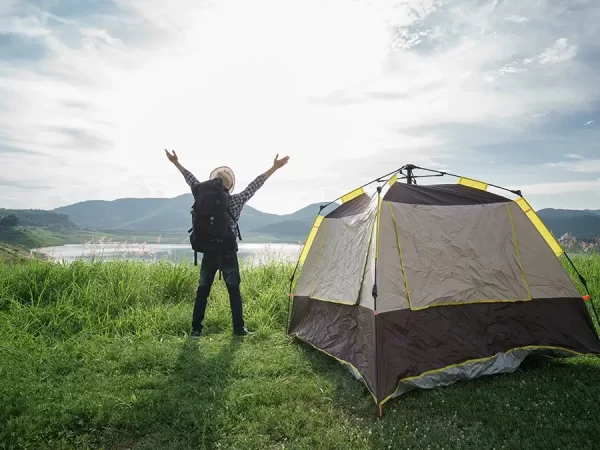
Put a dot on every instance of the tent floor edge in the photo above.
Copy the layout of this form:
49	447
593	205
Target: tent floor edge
349	366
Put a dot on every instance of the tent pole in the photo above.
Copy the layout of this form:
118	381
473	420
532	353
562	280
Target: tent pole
410	178
441	173
366	184
374	293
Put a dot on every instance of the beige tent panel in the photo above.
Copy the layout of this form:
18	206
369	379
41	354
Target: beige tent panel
391	285
453	255
310	266
336	262
366	290
545	274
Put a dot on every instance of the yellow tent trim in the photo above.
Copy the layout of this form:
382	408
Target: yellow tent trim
479	360
311	238
337	302
351	195
393	180
469	302
537	222
473	183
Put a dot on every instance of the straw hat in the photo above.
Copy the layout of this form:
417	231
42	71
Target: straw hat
226	174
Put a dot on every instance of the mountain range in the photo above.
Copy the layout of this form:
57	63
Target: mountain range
172	215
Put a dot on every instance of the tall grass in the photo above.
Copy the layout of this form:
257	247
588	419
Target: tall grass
121	298
95	355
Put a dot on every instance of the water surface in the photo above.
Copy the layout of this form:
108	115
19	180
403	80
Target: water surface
254	253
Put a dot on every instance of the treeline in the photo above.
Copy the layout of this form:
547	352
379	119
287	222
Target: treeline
34	218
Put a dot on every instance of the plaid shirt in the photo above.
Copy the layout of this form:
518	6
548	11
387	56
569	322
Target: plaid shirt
238	201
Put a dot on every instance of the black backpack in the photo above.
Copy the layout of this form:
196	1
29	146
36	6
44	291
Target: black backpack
211	220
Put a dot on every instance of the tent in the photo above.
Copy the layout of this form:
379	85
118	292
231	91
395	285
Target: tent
420	286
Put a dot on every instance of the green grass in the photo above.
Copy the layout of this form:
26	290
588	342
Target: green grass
11	254
94	355
29	237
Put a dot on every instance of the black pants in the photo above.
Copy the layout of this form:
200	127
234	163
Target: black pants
229	265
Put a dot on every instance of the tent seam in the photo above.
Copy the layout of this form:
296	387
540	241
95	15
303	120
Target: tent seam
362	281
312	289
519	261
399	246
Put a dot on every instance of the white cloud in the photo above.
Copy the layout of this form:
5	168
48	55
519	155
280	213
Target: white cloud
517	19
561	51
581	165
561	187
348	89
93	37
589	122
29	26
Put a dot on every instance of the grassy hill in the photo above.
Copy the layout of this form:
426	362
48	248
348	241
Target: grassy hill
14	254
29	238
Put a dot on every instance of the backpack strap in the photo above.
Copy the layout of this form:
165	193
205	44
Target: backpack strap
236	225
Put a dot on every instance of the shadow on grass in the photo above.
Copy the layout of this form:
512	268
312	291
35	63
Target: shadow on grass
187	410
546	403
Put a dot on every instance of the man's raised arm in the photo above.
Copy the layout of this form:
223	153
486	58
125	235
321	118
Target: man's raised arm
189	177
249	192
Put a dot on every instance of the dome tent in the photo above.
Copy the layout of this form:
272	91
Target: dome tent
420	286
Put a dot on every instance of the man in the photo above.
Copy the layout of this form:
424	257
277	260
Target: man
228	263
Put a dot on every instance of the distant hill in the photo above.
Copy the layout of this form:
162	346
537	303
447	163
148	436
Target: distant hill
580	223
152	214
172	215
39	218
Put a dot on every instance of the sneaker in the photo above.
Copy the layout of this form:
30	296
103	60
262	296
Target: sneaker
196	334
243	332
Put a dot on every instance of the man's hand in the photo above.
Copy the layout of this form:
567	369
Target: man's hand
279	163
172	157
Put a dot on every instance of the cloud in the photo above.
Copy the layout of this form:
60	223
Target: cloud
561	187
94	38
5	149
29	185
94	91
561	51
589	122
83	140
517	19
581	165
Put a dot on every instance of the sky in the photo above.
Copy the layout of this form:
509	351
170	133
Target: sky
91	93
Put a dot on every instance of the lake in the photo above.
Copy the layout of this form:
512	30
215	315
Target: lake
254	253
